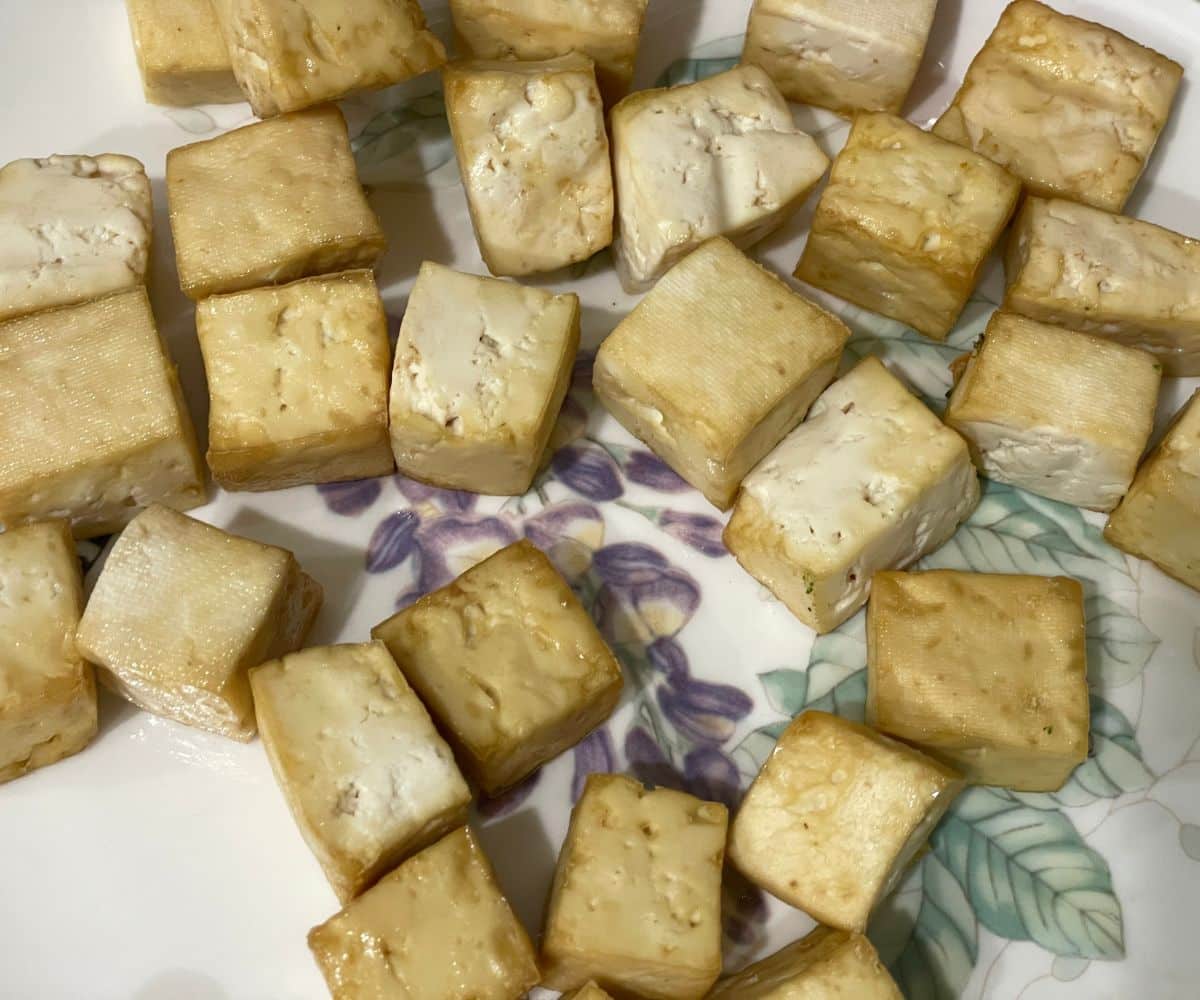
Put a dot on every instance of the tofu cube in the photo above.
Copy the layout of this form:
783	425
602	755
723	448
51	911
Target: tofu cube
1120	278
848	57
906	223
288	55
437	928
482	368
871	481
93	426
47	691
1159	519
721	157
589	992
72	228
509	663
835	817
716	365
1062	414
985	672
181	610
828	964
181	54
268	203
534	159
530	30
367	777
636	900
297	382
1071	107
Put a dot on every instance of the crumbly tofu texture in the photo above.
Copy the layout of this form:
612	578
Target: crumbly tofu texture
436	927
986	672
835	817
871	481
181	53
1071	107
298	383
906	223
1159	519
716	365
721	157
47	691
860	55
291	55
72	228
181	610
93	426
1120	278
509	663
636	900
1062	414
268	203
482	368
828	964
367	777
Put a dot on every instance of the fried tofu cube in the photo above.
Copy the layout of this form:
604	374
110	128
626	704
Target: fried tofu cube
716	365
1062	414
268	203
47	691
437	928
533	155
985	672
848	57
636	901
721	157
1071	107
509	663
589	992
93	426
482	368
288	55
367	777
297	382
1159	519
835	817
828	964
871	481
72	228
1127	280
906	223
181	610
181	54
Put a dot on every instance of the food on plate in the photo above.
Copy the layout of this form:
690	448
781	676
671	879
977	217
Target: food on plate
268	203
589	992
721	157
509	663
93	426
636	900
1120	278
47	691
297	383
716	365
482	368
181	610
73	228
906	223
181	54
986	672
1071	107
835	817
872	480
857	56
437	928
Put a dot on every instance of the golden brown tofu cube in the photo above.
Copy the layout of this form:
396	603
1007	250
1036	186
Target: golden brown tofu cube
589	992
181	54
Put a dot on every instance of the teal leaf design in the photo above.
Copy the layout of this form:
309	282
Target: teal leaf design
1118	644
837	678
752	752
418	132
691	70
847	698
1189	840
787	690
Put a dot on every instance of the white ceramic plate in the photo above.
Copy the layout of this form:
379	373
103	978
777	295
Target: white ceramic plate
162	864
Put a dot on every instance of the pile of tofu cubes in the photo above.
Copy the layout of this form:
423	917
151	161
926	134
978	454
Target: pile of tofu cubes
836	485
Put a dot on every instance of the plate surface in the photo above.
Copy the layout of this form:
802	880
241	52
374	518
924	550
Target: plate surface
161	864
